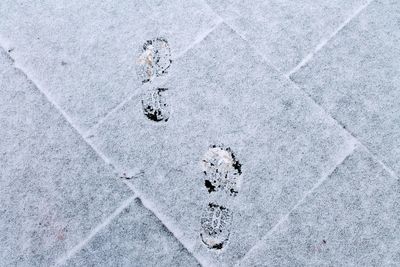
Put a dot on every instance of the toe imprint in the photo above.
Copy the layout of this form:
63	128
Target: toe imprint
154	59
221	169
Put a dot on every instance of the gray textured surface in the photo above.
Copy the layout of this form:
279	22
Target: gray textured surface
135	238
350	220
83	52
285	31
54	188
357	79
284	142
299	97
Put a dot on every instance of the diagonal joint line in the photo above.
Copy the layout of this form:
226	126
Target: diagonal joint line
101	155
163	219
318	48
326	40
62	260
198	40
301	201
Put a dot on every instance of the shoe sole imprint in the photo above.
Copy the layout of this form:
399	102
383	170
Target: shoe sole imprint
221	169
215	226
154	105
154	59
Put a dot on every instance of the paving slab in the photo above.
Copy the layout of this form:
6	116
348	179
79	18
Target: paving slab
135	238
53	187
286	31
356	78
85	53
348	221
240	147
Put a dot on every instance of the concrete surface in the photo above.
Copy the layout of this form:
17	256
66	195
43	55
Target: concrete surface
186	133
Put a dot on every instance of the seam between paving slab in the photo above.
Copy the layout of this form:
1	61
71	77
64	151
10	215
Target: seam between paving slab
199	39
301	201
147	204
303	62
102	156
310	56
69	254
375	157
164	220
325	41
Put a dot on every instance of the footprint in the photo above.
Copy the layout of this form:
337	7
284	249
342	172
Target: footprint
154	59
222	172
154	105
221	169
215	226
